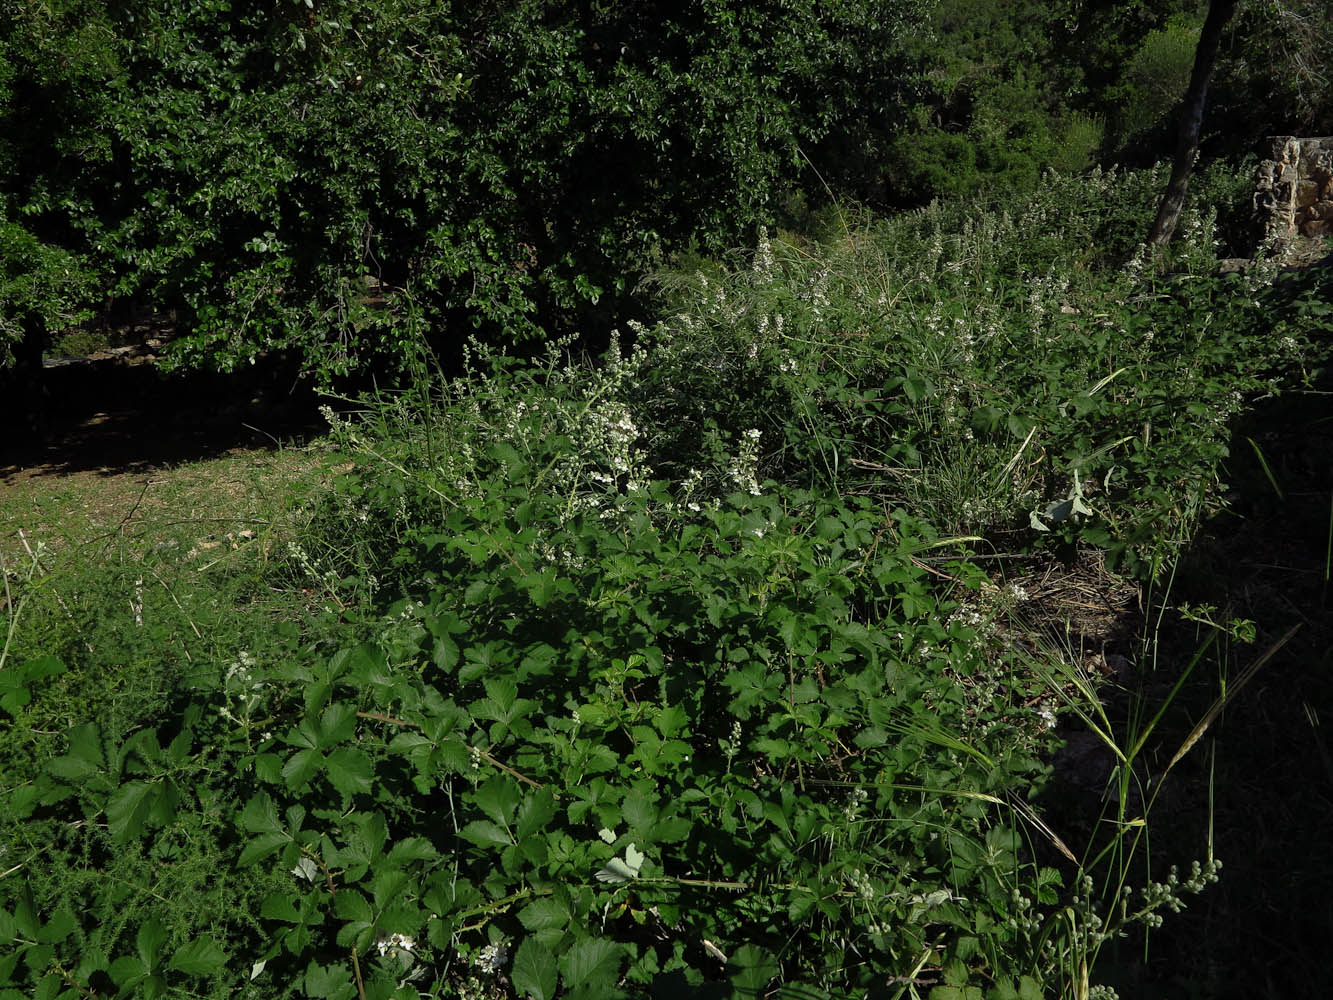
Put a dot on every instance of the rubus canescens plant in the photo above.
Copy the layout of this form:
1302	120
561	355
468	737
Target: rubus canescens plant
721	754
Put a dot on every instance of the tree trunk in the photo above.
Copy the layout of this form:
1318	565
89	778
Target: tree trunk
1191	125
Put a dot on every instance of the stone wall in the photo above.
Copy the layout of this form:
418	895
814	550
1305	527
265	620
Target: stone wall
1294	189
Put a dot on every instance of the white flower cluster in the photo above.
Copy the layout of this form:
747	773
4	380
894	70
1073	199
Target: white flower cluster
744	467
493	958
395	943
763	258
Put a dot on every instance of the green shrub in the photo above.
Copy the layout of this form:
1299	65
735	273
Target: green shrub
308	177
980	366
667	672
1154	81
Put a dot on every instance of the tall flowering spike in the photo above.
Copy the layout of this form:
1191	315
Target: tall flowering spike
763	258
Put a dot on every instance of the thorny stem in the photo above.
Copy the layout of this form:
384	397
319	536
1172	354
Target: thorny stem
333	892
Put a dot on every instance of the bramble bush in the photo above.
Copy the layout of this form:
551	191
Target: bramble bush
987	370
666	673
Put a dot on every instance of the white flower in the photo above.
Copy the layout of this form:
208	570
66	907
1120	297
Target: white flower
395	943
493	957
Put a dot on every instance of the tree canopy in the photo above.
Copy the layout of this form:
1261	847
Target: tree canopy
333	178
258	168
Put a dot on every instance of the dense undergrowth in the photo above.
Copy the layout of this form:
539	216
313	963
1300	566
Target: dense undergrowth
675	672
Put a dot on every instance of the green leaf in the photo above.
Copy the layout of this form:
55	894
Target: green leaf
201	957
446	653
261	847
544	914
128	809
61	925
336	724
127	971
592	962
328	982
916	388
300	768
350	771
1027	989
755	969
279	906
43	667
356	910
149	941
485	834
534	970
412	849
498	798
956	993
640	812
537	810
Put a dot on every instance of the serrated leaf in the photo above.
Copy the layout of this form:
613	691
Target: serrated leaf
164	804
300	768
484	833
537	810
128	810
279	906
544	914
85	743
501	690
127	970
149	941
201	957
42	667
754	969
446	653
328	982
412	849
72	768
336	724
355	909
618	871
350	771
261	847
591	962
639	812
534	970
60	926
498	798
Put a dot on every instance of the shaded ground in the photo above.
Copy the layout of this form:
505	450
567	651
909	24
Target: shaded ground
1265	930
119	414
1259	785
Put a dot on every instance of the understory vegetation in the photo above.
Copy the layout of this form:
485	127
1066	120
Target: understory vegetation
708	667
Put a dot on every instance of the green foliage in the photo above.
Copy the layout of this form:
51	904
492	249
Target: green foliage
984	374
1155	80
665	673
1273	75
306	177
996	104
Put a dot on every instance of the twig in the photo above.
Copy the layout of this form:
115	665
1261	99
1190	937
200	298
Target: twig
356	962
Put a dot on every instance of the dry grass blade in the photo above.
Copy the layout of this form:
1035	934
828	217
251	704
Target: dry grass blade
1018	454
1224	699
1029	814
